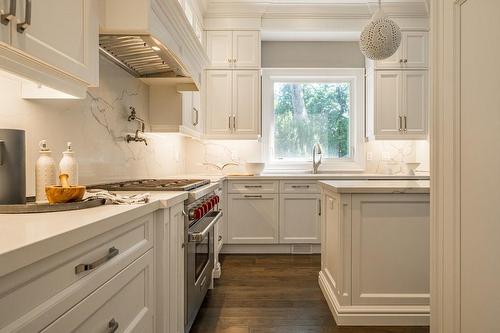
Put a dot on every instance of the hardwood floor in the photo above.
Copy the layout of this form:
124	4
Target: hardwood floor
273	293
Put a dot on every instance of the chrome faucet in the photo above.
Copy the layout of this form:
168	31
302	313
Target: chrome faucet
316	150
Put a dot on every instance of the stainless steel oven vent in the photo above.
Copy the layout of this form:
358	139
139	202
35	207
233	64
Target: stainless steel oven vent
141	56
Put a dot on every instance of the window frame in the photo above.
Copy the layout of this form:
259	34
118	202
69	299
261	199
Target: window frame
356	76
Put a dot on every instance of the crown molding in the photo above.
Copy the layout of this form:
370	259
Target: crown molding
355	9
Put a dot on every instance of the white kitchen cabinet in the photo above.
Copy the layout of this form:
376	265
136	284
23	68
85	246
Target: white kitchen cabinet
411	54
390	249
170	272
219	48
219	102
253	218
400	106
233	49
233	104
246	49
192	114
299	218
125	302
37	48
336	245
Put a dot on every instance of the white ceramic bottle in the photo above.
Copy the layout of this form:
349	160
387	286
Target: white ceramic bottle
69	166
45	172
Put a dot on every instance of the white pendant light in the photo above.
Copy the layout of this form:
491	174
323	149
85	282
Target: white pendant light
381	37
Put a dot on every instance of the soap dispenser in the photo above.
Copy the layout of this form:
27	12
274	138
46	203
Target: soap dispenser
69	166
45	172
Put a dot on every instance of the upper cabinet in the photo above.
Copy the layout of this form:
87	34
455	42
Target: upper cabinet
412	53
397	92
233	104
233	49
52	42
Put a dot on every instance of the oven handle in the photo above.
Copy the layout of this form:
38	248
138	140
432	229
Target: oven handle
199	236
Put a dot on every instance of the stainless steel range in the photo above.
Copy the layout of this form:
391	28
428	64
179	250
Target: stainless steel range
201	214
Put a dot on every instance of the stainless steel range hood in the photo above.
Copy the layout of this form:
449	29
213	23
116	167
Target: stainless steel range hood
142	56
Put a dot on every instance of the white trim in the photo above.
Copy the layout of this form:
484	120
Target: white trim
265	248
394	315
356	139
445	167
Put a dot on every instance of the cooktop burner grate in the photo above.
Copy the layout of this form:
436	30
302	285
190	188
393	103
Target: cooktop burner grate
153	185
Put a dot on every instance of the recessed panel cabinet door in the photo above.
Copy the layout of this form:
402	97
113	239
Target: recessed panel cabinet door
219	48
300	218
219	102
63	34
246	49
415	104
246	102
415	53
388	119
252	218
5	28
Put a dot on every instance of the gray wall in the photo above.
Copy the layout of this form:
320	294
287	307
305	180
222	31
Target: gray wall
311	55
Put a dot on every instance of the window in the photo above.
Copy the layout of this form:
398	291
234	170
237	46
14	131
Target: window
302	107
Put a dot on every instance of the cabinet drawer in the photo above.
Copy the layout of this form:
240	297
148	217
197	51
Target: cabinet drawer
253	187
125	302
297	186
39	293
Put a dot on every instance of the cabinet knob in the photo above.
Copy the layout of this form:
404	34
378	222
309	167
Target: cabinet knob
405	61
7	17
113	325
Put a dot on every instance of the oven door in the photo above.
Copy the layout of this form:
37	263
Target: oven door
200	262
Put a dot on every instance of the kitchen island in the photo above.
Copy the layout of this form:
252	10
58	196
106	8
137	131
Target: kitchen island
375	251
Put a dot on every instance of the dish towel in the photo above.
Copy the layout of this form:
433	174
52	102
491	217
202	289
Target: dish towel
118	199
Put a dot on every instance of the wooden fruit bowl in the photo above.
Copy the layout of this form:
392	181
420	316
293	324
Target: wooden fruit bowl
64	193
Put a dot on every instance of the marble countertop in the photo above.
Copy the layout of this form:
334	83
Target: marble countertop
306	176
28	238
377	186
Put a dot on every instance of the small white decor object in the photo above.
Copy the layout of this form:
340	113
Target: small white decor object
380	39
45	172
69	166
412	166
255	168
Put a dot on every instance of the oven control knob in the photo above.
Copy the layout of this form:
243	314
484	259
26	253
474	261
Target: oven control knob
205	208
209	204
195	214
217	199
213	200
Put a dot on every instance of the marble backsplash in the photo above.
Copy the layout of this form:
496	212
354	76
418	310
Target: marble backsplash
383	157
97	127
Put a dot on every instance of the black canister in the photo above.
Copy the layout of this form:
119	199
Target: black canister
12	166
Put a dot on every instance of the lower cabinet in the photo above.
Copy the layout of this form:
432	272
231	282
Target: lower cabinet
125	304
375	258
253	218
300	218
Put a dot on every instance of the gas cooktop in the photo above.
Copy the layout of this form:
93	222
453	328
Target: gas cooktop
153	185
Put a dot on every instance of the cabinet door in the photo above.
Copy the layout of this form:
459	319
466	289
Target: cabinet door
219	102
188	115
63	34
388	95
415	88
246	49
5	29
300	218
219	49
390	251
176	278
246	102
415	49
252	218
393	62
336	244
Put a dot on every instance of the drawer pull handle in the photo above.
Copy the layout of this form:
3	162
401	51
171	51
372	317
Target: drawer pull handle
113	326
253	186
300	186
112	252
253	196
220	238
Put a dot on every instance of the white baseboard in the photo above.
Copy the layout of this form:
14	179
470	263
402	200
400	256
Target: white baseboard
271	249
354	315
